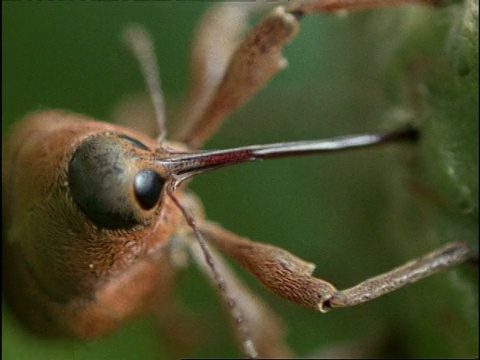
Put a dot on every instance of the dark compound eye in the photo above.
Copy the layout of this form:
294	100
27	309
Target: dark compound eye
134	142
101	177
148	186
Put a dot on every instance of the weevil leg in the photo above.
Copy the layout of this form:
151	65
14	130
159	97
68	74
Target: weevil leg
216	37
443	258
224	79
256	59
259	331
291	277
305	7
265	329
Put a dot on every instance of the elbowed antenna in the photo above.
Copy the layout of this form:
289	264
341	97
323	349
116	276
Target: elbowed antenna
140	43
185	166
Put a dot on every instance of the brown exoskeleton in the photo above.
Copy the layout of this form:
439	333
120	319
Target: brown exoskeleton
91	208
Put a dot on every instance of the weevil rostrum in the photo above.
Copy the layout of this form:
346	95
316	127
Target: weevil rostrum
127	253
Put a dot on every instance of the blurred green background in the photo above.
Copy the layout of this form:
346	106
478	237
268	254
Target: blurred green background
354	215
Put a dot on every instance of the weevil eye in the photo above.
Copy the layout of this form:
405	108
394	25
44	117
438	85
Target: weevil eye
109	184
148	187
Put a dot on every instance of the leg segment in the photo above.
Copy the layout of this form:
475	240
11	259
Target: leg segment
259	331
291	278
304	7
264	328
255	61
226	77
216	37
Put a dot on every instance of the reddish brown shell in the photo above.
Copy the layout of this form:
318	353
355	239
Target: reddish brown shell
64	276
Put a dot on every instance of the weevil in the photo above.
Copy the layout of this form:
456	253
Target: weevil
80	274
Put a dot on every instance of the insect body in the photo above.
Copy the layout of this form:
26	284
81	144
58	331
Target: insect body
91	238
90	210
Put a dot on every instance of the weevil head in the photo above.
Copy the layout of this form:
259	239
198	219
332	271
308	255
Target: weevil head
83	201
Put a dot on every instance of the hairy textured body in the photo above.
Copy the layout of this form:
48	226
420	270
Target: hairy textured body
62	273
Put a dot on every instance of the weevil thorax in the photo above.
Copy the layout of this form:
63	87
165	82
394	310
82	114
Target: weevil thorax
82	204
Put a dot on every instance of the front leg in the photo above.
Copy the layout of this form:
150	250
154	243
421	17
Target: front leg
259	331
291	278
226	77
254	62
265	330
